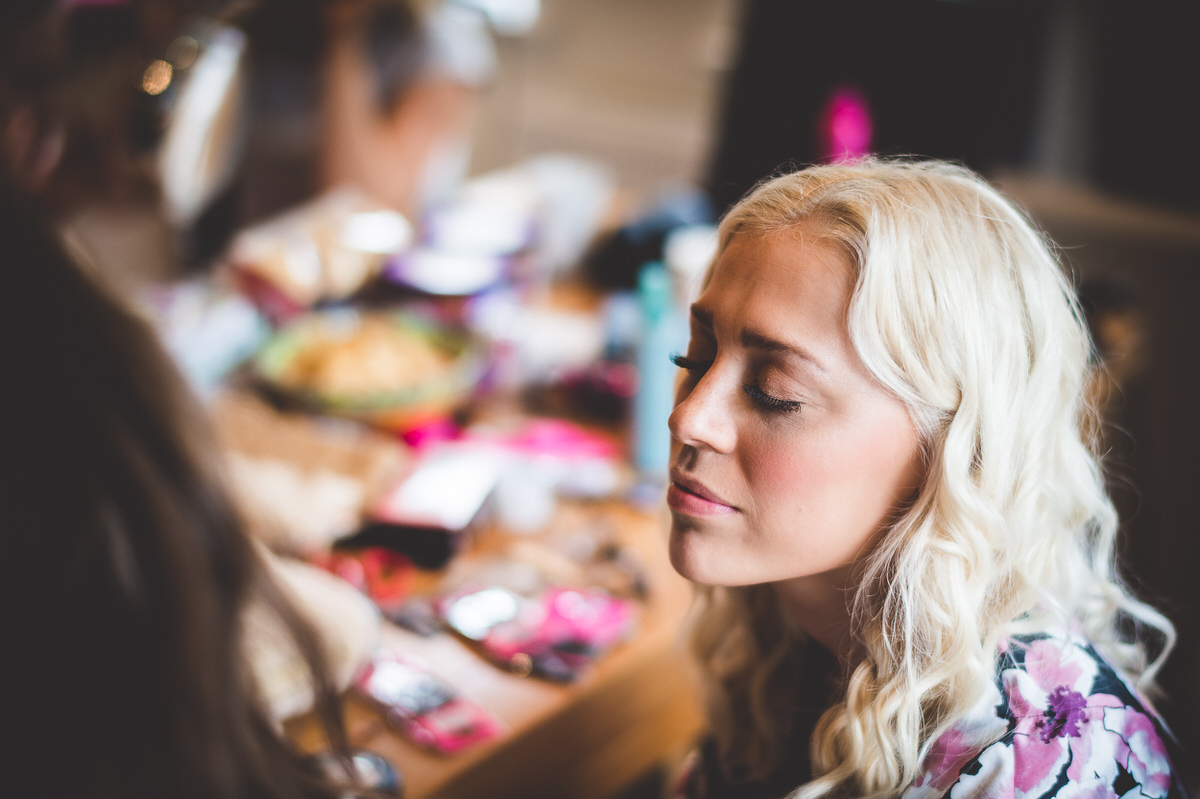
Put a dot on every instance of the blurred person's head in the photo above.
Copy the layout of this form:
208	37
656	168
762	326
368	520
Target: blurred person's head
124	571
401	99
322	96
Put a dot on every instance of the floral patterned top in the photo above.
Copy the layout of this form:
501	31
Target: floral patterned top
1064	724
1058	722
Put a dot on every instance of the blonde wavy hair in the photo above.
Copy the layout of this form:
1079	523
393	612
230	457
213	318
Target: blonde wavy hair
962	310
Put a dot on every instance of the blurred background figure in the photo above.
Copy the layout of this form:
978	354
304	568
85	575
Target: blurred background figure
233	111
292	99
126	577
87	69
151	629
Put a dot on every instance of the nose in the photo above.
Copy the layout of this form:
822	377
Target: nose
703	415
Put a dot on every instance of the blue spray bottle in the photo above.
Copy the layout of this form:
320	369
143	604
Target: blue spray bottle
662	334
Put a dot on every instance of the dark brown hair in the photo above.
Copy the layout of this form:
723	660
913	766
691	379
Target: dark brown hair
124	570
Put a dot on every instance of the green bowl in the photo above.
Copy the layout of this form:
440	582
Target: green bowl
434	395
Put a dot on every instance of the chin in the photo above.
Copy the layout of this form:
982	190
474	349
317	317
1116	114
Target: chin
687	561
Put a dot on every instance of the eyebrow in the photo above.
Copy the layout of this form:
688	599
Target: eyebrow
758	341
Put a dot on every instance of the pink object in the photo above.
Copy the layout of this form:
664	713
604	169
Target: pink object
590	617
553	437
436	430
845	126
382	574
556	635
424	707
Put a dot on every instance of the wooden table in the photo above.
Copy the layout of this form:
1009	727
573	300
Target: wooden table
638	709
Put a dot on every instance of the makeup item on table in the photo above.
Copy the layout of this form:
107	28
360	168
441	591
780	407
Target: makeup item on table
556	635
368	770
473	241
423	706
384	575
433	509
325	249
416	614
602	561
448	274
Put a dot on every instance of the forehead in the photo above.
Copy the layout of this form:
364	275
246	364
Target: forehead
791	282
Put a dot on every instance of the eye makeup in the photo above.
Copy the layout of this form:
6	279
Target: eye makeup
764	400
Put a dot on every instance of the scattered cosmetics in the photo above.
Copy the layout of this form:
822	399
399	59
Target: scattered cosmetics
556	634
345	315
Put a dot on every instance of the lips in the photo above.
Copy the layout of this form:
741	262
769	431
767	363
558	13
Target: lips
692	498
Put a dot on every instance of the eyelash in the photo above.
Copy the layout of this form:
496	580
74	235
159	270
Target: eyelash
755	393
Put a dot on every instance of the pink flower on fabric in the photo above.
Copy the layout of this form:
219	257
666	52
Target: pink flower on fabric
1059	723
1052	713
946	759
960	744
1140	749
994	780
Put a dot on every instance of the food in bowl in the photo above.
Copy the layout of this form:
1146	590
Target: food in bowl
386	367
372	355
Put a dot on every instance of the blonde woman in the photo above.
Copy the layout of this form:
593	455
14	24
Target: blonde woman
882	482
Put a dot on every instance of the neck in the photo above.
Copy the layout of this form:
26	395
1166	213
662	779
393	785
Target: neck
820	606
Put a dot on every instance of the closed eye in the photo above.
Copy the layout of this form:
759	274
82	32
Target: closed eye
689	365
771	403
765	400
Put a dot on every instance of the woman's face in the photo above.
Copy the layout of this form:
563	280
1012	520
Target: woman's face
787	457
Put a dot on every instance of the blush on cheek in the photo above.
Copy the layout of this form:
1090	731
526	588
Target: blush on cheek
825	498
783	474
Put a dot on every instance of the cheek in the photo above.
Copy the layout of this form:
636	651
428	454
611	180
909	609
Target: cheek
784	472
876	470
847	480
893	454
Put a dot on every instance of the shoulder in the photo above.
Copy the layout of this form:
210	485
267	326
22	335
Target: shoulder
1059	721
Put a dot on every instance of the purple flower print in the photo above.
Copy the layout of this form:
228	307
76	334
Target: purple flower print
1056	738
1047	701
1059	723
1064	715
